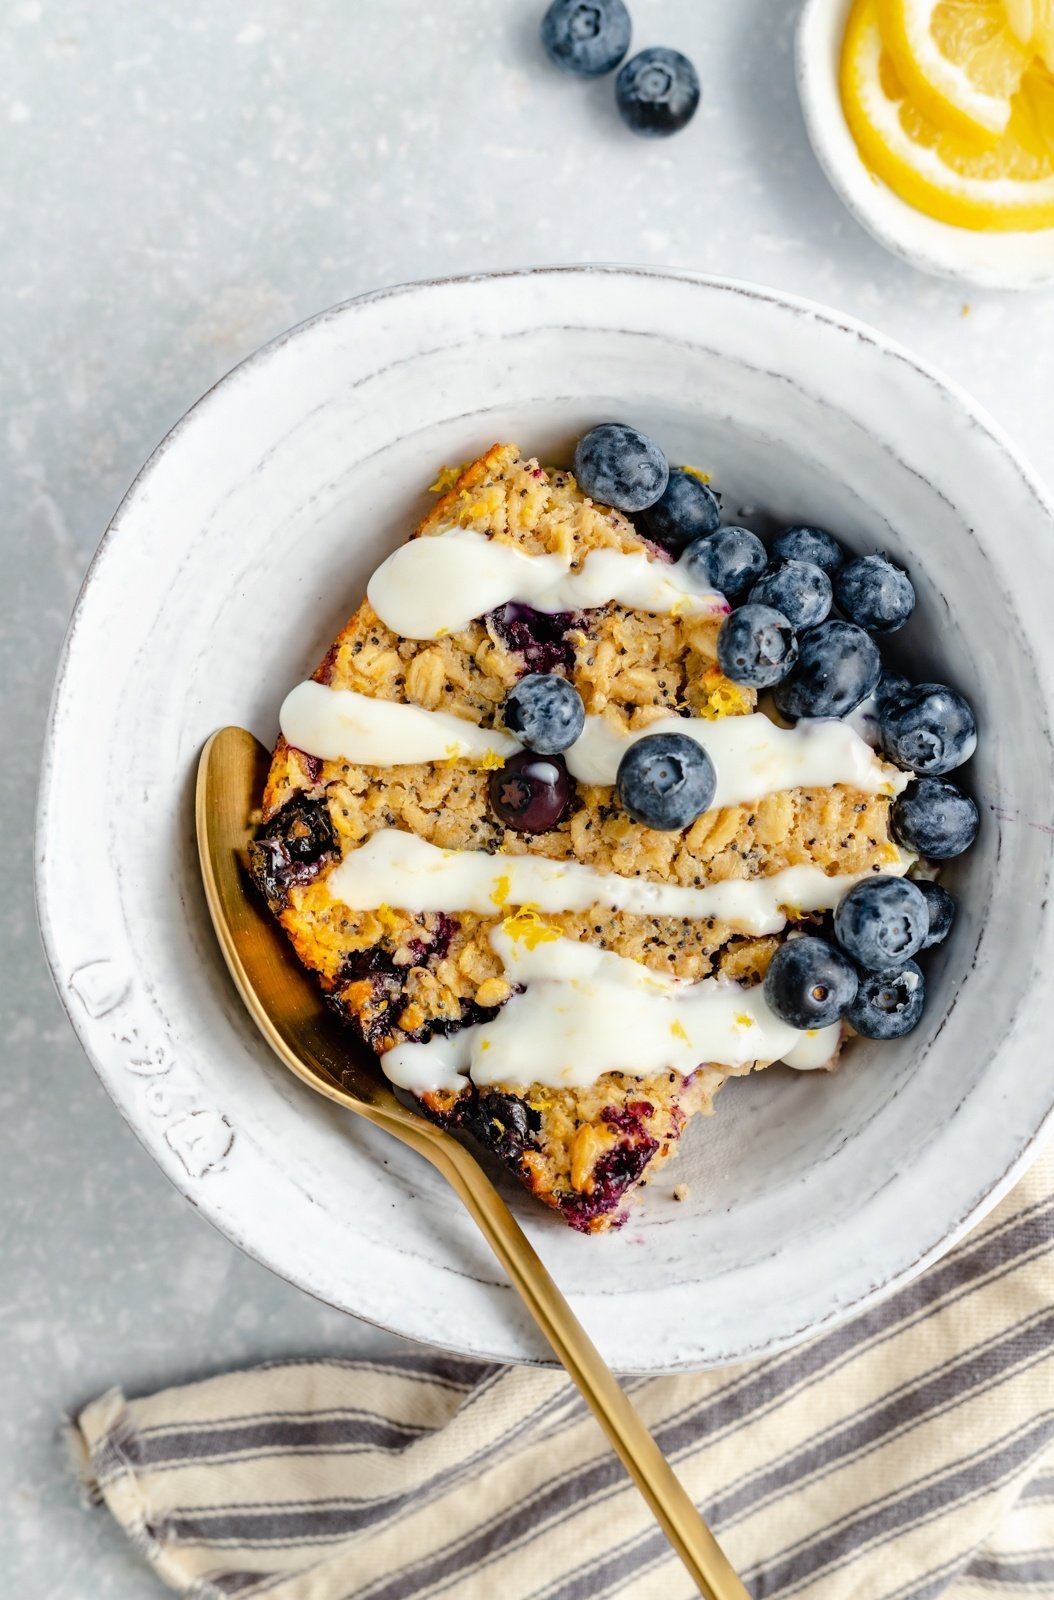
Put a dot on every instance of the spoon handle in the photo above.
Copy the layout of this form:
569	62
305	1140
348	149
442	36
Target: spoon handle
631	1440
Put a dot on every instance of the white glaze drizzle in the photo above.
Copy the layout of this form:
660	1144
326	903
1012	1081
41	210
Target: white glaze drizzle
439	583
585	1011
752	756
341	724
399	869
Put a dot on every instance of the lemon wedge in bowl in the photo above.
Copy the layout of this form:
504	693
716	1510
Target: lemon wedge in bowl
1007	186
961	61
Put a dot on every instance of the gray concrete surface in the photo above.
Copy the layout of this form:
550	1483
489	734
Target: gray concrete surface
177	184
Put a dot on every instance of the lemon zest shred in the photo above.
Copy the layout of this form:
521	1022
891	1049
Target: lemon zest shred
696	472
501	891
446	478
529	926
679	1032
743	1020
491	761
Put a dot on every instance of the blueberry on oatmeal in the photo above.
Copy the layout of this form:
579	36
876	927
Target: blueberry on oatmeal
887	1005
728	560
935	819
809	984
686	510
838	666
799	589
620	467
800	543
545	712
940	907
665	781
756	646
881	922
530	793
928	729
875	594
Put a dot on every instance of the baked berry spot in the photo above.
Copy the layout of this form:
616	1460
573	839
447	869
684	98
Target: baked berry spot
539	636
293	848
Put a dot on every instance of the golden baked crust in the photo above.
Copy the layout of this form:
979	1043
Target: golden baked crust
397	975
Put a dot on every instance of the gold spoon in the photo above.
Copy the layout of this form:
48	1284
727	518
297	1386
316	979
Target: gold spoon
289	1011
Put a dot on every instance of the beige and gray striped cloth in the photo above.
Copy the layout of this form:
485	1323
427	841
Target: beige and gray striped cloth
906	1455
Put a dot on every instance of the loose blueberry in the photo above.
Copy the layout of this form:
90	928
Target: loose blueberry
935	819
809	983
928	729
686	509
888	1004
809	544
545	712
657	92
838	666
728	560
891	685
665	781
875	594
881	922
756	646
586	37
620	467
941	908
530	793
800	589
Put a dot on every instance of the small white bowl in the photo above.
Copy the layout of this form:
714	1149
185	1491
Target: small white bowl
234	559
992	260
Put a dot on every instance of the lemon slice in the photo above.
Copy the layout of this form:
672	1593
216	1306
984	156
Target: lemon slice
1008	186
1032	21
961	61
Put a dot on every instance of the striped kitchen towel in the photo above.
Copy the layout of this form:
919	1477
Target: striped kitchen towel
906	1455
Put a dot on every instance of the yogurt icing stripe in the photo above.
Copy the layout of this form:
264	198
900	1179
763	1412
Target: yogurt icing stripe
753	756
400	869
441	582
585	1011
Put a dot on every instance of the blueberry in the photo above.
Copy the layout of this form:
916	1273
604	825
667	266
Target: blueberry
728	560
620	467
586	37
838	666
928	729
293	847
891	685
531	792
684	511
756	646
665	781
935	819
809	983
875	594
882	921
941	908
540	637
809	544
545	712
888	1004
657	92
800	589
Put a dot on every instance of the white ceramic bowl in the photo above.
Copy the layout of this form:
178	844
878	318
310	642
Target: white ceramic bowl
992	260
233	560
